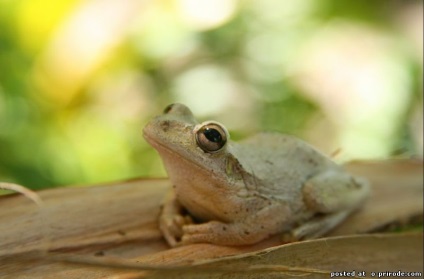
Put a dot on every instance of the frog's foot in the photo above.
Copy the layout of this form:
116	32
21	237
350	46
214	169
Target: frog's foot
221	233
171	226
316	227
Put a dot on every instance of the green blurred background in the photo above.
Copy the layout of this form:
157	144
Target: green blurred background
79	79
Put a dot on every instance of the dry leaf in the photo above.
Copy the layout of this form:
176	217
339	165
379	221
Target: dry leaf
118	223
321	258
22	190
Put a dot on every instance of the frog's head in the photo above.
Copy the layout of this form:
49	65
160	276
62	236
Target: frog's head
208	179
181	140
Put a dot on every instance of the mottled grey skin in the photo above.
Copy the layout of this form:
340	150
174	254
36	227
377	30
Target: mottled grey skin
246	191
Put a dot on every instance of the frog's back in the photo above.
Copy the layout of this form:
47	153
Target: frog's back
280	163
280	150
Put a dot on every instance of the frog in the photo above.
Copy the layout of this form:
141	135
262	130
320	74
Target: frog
239	193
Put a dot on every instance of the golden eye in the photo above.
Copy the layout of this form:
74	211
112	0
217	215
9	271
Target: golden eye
211	137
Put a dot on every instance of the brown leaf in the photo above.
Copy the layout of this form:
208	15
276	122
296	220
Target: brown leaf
118	222
320	258
316	259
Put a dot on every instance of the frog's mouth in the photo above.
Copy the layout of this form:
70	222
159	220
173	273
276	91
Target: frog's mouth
167	153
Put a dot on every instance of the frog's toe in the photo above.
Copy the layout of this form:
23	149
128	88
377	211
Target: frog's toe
176	224
196	233
197	237
172	227
171	230
205	228
170	238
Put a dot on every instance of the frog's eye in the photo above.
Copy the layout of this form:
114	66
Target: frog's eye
211	137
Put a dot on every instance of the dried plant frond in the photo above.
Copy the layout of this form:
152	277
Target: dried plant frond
22	190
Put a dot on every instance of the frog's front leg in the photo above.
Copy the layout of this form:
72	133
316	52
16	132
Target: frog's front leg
332	195
171	219
244	232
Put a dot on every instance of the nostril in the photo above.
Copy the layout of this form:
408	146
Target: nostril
168	108
164	125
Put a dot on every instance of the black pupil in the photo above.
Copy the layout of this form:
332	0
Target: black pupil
212	135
